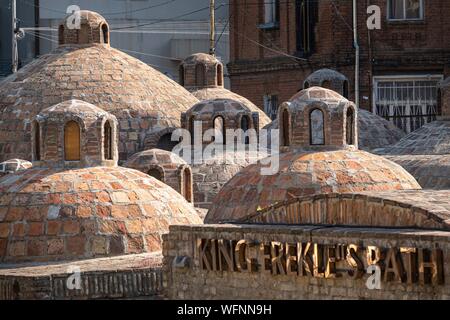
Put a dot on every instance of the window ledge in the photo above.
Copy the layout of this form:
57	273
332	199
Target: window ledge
406	21
269	26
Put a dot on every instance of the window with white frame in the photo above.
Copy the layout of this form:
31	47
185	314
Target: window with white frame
405	9
408	102
271	11
271	106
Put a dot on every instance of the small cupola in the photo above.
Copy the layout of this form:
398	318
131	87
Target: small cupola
328	79
74	134
318	118
83	28
220	115
201	70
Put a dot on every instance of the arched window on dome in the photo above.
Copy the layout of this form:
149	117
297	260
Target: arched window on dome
306	85
72	141
186	181
219	129
286	129
350	125
219	75
61	34
316	127
326	84
181	75
156	173
107	142
37	141
245	126
345	89
105	33
200	75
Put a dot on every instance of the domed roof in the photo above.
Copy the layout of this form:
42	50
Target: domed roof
13	165
86	17
431	171
373	130
303	97
201	57
154	156
376	132
56	214
71	107
306	173
431	139
317	77
215	171
221	104
143	99
222	93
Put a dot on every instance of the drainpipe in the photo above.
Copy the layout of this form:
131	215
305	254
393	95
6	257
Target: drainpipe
356	45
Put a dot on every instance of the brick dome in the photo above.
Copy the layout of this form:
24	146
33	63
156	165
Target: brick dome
319	155
329	79
425	153
431	171
144	101
166	167
431	139
75	202
56	214
202	75
374	131
307	173
92	28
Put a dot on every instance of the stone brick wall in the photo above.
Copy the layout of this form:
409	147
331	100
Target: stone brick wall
124	277
257	67
188	281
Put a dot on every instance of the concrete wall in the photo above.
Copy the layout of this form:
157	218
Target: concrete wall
188	280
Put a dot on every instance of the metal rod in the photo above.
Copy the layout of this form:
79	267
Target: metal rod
15	54
212	32
355	41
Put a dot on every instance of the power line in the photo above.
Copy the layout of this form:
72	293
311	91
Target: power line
168	19
104	14
150	55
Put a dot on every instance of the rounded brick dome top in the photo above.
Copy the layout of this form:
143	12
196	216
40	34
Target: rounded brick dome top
72	107
431	139
222	93
318	77
431	171
144	100
376	132
204	58
50	214
309	95
83	27
155	156
306	173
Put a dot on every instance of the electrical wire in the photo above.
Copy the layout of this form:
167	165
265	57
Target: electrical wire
150	55
168	19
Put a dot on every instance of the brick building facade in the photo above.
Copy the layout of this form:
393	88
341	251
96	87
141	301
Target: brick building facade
275	45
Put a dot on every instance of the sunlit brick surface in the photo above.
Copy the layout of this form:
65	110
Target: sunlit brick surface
144	101
48	214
